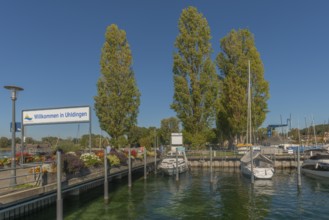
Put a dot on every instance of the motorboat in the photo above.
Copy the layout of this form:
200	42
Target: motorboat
262	166
317	165
174	161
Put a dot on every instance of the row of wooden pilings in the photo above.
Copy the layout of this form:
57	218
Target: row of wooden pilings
59	204
286	162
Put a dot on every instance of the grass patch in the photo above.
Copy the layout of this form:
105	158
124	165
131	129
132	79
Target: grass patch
23	186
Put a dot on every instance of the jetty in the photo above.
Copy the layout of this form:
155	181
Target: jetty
16	202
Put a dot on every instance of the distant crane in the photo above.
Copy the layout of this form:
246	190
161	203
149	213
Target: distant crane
270	128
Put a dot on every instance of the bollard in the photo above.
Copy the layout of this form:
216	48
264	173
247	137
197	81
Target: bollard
59	204
106	184
129	168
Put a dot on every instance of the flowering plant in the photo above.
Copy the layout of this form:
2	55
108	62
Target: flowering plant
90	159
133	153
72	164
122	157
38	158
114	160
100	154
37	169
5	161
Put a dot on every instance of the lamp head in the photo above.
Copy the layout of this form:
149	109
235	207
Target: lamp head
13	90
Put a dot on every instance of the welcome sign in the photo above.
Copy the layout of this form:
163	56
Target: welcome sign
57	115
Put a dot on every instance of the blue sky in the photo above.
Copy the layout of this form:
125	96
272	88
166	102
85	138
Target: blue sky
52	49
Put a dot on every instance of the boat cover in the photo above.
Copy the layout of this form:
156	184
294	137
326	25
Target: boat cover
256	156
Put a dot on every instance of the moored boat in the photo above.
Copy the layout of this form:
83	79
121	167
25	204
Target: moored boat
262	166
317	165
174	161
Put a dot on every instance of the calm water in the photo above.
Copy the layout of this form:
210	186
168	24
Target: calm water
5	153
232	197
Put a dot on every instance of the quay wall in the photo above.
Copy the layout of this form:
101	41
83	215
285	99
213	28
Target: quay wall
284	162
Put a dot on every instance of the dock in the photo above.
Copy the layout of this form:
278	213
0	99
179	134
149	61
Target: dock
16	203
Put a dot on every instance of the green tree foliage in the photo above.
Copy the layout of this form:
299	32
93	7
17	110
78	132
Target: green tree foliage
294	135
118	97
196	84
97	141
236	49
4	142
52	141
168	126
148	140
29	140
136	134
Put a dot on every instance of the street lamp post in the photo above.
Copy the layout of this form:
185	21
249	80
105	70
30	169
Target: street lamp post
14	90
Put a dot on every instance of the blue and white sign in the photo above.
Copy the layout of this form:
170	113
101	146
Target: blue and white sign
18	126
57	115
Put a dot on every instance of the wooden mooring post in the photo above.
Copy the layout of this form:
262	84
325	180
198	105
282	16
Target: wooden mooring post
145	171
211	177
129	168
106	183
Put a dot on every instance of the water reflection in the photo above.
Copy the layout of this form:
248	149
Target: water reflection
232	196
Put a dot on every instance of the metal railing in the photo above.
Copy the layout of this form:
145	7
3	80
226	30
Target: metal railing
27	176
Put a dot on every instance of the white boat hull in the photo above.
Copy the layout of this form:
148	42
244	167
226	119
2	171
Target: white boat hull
316	168
258	172
172	171
168	166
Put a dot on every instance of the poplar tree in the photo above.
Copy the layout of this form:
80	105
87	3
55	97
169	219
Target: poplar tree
118	97
168	126
236	49
196	85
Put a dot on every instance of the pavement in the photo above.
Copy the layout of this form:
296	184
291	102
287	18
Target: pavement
24	178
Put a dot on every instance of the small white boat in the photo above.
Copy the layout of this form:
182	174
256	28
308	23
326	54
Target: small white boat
169	164
317	165
262	166
253	163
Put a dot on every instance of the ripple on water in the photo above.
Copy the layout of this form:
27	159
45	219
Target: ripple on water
193	197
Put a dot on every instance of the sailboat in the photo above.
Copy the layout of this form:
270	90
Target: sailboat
254	164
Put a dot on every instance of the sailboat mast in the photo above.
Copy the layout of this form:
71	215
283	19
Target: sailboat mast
249	131
249	127
314	131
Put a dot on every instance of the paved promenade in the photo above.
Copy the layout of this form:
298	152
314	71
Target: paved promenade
24	176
